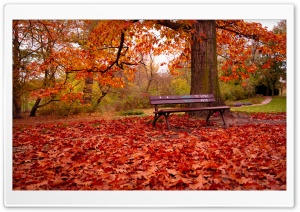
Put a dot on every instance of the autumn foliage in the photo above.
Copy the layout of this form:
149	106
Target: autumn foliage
64	60
55	54
240	43
129	154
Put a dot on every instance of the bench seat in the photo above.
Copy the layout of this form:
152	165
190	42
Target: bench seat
186	99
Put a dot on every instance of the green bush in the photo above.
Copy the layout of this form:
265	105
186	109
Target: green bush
180	86
234	91
62	109
134	100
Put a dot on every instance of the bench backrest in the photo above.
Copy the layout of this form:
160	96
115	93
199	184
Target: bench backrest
185	99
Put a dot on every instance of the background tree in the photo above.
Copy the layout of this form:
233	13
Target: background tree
49	37
147	74
272	64
17	66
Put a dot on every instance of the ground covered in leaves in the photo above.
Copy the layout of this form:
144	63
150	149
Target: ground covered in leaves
130	154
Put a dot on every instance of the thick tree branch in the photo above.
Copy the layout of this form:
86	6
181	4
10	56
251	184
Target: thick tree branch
120	49
173	25
228	27
52	100
115	62
237	32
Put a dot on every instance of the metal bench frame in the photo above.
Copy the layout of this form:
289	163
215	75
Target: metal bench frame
185	99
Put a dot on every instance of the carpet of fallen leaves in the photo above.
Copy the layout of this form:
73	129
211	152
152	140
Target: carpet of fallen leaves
269	116
130	154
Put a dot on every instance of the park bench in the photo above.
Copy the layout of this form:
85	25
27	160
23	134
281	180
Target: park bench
185	99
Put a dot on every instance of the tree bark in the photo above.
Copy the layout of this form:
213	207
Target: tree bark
35	107
88	90
204	72
17	111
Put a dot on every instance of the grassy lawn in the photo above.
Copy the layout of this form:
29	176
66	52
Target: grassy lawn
254	100
278	104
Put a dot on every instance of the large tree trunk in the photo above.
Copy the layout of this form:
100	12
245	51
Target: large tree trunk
204	72
16	75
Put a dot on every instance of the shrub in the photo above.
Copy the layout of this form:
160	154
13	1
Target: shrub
62	109
233	91
131	102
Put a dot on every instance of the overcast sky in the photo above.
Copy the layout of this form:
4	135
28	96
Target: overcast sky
268	23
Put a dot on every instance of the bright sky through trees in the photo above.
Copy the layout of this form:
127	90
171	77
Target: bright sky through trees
267	23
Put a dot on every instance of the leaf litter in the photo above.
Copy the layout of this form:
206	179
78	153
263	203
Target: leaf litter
130	154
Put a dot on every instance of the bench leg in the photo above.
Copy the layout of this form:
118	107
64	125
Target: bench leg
156	117
167	120
221	112
212	112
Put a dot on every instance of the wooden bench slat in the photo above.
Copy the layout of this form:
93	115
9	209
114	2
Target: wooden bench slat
181	101
199	96
191	109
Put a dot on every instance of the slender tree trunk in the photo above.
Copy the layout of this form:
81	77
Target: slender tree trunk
273	88
98	101
17	109
148	85
35	107
204	72
273	91
38	100
88	90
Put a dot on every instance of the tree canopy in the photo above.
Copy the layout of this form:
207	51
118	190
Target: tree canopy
55	54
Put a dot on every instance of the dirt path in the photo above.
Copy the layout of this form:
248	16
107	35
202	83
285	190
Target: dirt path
267	100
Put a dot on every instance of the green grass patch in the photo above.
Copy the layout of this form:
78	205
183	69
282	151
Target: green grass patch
132	113
278	104
254	100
